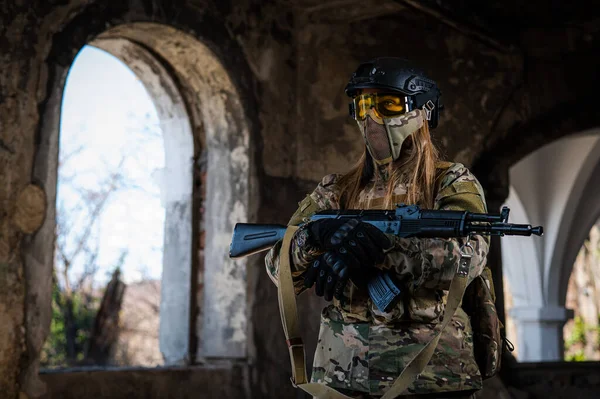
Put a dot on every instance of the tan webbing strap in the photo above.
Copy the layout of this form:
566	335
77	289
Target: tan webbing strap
419	362
289	312
289	320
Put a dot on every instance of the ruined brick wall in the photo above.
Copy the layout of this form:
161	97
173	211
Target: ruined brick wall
290	63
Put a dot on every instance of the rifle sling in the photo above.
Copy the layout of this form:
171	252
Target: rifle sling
289	319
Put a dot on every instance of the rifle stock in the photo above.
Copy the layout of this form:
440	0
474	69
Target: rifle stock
251	238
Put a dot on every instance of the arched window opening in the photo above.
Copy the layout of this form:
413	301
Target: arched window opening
203	188
110	220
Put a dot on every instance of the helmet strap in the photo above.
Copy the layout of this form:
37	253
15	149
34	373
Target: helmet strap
428	108
430	103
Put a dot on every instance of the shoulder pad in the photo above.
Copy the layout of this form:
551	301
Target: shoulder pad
329	180
306	208
325	196
443	165
464	188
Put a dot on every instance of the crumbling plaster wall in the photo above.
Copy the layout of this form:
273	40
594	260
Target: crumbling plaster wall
290	66
22	88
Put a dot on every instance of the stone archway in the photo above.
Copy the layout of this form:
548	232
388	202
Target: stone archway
521	139
201	113
220	129
554	187
587	212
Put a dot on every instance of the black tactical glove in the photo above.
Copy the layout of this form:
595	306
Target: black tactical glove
330	276
352	247
321	231
357	244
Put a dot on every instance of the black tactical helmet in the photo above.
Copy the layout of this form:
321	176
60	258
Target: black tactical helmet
398	75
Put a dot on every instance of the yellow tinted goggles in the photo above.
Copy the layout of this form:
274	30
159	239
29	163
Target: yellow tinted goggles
384	105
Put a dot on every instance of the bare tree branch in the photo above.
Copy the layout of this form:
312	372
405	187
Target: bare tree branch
97	202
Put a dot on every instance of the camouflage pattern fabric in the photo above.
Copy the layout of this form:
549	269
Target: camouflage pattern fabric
363	350
479	302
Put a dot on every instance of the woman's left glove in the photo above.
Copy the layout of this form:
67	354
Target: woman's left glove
327	282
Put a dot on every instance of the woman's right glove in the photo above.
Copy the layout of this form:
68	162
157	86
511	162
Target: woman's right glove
351	248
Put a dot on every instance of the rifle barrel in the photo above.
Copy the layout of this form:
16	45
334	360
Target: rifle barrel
508	229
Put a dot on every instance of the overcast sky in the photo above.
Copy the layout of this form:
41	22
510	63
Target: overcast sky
108	115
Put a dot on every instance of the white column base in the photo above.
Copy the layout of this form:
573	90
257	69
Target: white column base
540	332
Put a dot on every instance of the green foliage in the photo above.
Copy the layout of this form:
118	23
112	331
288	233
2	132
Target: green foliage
575	343
579	330
54	352
579	338
77	311
578	356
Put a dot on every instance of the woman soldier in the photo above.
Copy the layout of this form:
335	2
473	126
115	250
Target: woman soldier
363	349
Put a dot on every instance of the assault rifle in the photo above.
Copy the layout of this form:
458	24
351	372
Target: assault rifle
404	221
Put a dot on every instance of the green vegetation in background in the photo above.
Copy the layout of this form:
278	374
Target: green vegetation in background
70	328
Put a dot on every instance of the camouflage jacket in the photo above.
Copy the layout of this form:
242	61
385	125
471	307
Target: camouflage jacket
362	349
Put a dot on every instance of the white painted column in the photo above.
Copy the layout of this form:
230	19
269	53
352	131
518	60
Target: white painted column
540	332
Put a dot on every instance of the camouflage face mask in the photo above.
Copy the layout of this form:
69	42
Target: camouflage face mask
384	136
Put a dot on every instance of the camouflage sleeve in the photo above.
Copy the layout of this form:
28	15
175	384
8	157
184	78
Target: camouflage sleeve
432	262
303	253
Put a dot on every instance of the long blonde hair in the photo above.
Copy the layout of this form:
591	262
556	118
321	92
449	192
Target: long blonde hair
416	167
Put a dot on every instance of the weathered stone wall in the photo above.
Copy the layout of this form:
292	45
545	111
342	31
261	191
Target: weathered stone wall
289	63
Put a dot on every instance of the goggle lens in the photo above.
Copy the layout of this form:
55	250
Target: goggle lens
385	105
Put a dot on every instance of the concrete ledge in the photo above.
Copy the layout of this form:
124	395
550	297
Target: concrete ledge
220	382
555	380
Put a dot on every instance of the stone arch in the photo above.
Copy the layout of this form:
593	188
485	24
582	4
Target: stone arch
587	213
225	138
191	83
492	167
552	185
504	150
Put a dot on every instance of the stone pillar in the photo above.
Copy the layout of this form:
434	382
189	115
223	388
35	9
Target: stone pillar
540	332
